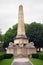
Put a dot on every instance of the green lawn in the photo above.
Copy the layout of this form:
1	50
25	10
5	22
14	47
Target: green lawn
36	61
6	62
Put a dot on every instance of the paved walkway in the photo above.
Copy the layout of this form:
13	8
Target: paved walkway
21	61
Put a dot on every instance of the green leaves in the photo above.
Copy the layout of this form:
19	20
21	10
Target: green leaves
34	32
10	35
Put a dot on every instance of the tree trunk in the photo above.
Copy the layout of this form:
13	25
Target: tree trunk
39	49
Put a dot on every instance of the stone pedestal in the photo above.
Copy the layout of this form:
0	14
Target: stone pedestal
21	46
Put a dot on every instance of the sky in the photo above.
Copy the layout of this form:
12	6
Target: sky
33	11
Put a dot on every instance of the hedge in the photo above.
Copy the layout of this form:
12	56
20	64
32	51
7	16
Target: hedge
1	55
6	56
37	55
40	56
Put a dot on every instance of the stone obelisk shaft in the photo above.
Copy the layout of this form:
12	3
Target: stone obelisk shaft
21	28
21	38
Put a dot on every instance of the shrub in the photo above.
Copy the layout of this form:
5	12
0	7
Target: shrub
41	57
35	55
7	56
38	55
1	57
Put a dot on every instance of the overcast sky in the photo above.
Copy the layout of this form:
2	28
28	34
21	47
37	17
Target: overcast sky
33	11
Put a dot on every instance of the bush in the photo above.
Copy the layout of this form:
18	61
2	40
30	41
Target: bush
41	57
38	55
7	56
35	55
1	57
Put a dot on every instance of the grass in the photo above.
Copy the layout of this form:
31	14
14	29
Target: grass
6	62
36	61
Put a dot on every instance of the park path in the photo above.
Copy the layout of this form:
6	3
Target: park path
21	61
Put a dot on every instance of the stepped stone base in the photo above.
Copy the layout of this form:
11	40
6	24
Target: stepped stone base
20	39
21	51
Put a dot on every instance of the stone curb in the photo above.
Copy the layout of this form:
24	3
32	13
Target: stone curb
30	62
12	62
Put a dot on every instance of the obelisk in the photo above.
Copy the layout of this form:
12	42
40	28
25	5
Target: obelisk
21	36
21	46
21	27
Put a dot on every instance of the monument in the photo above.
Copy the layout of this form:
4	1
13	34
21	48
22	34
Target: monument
21	46
21	36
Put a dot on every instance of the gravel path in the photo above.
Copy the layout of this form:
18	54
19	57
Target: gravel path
21	61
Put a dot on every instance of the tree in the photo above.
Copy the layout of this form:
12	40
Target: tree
10	35
0	35
34	32
1	41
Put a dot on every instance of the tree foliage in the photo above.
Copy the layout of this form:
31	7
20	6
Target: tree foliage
10	35
34	32
1	39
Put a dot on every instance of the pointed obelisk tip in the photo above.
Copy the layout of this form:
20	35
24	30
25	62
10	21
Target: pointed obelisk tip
20	6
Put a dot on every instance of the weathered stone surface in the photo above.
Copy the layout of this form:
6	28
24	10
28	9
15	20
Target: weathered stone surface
21	46
21	27
21	36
